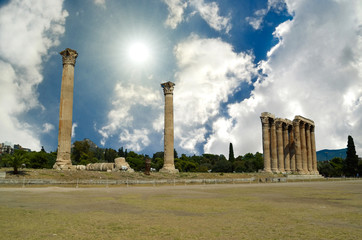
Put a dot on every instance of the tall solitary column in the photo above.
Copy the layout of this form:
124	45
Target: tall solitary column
298	149
309	149
66	110
168	165
274	154
280	146
266	142
314	152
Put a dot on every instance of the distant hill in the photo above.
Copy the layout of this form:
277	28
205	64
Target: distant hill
327	154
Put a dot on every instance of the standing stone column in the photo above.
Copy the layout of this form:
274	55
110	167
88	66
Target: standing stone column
292	151
266	141
303	147
314	152
66	110
298	149
168	165
274	155
280	146
309	149
286	149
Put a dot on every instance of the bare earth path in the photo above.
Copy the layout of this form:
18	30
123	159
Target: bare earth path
312	210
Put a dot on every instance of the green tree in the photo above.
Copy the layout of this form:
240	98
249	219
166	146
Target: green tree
231	153
325	169
40	159
110	154
79	148
120	152
222	165
16	159
337	164
351	162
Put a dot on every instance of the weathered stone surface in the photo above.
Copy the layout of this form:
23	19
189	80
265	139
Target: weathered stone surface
169	165
100	166
288	146
122	165
66	110
81	167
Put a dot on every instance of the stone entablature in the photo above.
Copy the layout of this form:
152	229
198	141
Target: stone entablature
288	146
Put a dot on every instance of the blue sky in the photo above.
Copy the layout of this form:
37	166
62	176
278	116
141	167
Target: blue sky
230	60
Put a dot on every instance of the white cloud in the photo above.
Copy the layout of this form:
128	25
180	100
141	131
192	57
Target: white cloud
208	11
27	30
101	3
74	125
209	72
127	99
48	127
136	140
273	5
176	10
314	71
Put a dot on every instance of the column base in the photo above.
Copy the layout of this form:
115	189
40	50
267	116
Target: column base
267	171
63	165
168	170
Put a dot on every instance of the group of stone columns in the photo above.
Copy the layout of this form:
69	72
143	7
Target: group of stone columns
288	146
66	112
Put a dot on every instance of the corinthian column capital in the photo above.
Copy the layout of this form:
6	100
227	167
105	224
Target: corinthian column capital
296	122
278	124
69	56
168	87
264	120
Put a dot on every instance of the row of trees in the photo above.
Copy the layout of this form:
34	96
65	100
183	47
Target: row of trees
84	152
351	166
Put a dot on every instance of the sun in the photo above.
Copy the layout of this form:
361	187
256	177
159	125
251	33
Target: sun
138	52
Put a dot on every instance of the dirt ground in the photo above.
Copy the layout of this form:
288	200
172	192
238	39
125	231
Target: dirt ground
309	210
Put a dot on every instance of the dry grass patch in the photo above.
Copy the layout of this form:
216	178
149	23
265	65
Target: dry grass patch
324	210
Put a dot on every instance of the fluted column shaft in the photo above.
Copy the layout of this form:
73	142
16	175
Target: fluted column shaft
280	146
266	143
292	150
309	150
298	148
303	148
274	155
314	152
66	109
286	149
168	165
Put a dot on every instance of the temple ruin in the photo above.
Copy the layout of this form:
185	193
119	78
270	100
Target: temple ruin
289	146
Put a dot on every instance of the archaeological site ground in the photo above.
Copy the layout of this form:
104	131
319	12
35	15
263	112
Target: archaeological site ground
297	210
